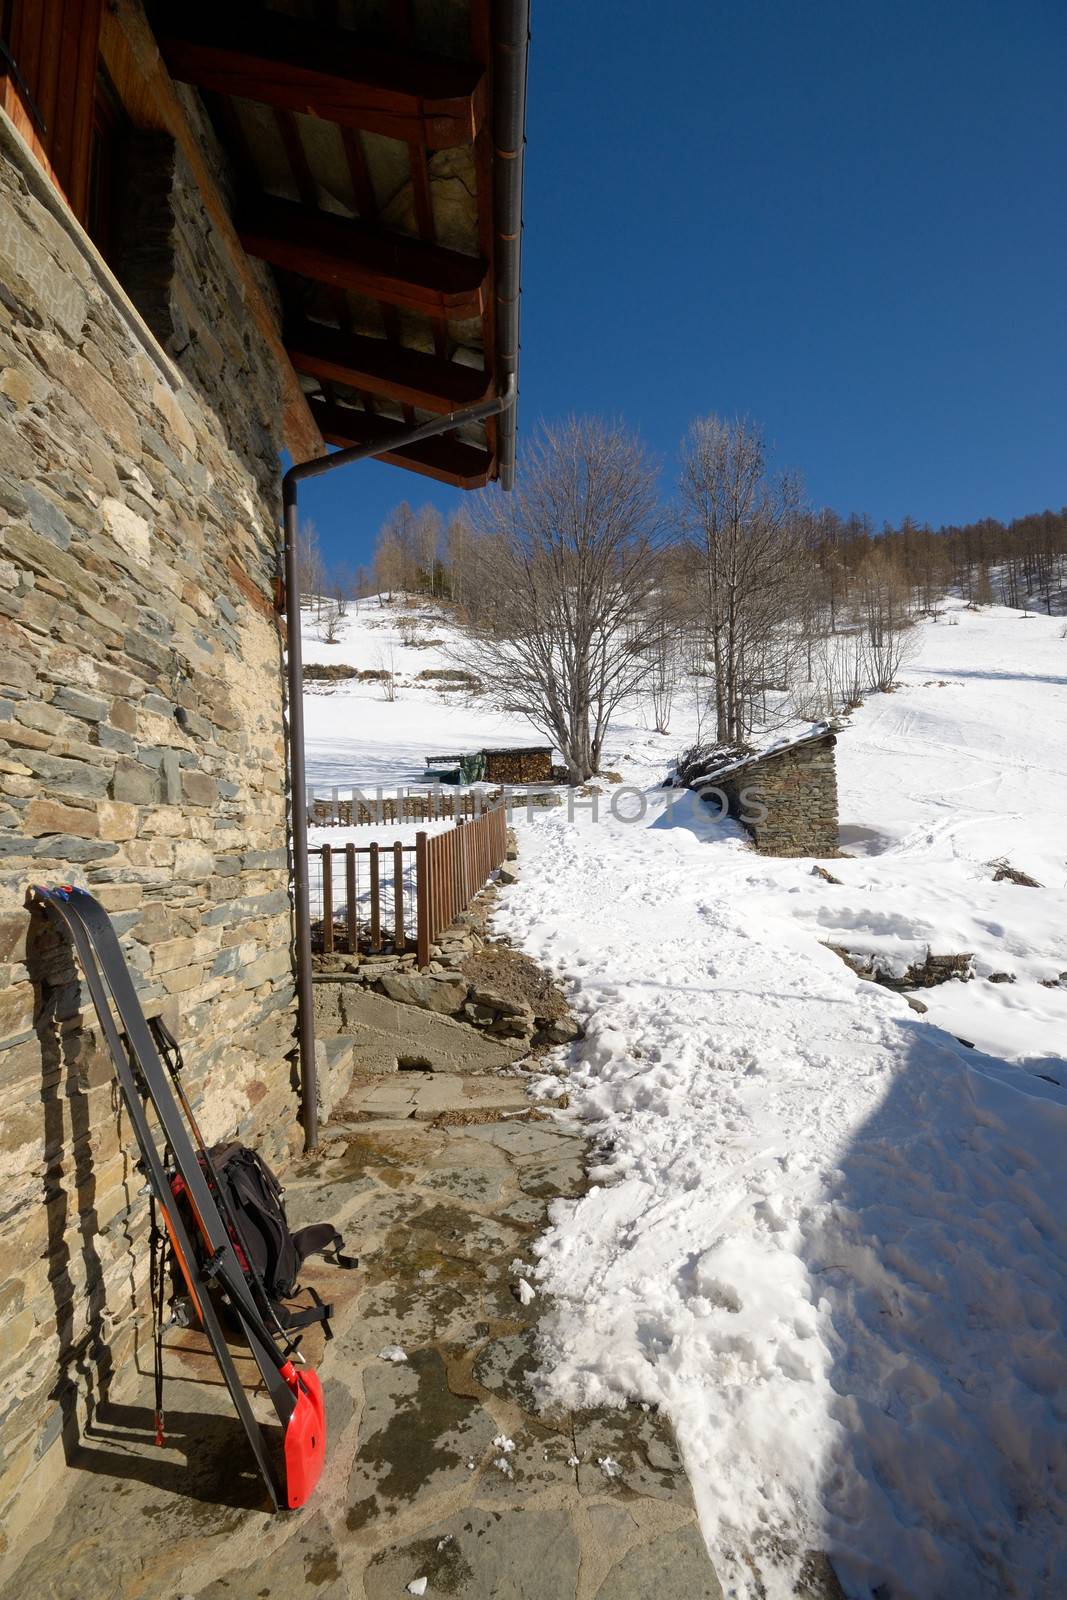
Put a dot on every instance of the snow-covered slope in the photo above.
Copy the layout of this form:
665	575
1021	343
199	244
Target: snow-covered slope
356	736
825	1235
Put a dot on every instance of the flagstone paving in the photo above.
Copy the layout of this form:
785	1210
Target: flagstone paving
439	1466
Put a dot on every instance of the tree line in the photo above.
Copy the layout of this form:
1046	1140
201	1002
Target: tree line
583	587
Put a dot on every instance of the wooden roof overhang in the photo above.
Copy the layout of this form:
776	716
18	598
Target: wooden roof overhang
377	153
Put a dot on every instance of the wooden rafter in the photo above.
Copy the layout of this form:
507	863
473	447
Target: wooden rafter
129	52
323	72
367	205
406	376
445	458
357	255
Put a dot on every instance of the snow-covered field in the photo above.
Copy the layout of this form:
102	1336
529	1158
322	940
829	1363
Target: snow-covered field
826	1236
354	735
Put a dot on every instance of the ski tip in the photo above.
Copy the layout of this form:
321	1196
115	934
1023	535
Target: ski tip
49	893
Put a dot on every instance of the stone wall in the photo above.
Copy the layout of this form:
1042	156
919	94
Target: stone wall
797	787
141	755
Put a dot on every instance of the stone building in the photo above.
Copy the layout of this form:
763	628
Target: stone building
786	796
218	243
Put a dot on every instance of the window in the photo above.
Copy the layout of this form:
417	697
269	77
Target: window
110	128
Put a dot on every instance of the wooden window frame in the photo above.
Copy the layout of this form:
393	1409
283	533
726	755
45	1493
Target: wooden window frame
48	76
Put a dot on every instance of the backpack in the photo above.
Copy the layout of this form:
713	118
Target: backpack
270	1253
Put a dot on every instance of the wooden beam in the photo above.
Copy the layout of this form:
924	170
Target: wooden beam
445	458
323	72
407	376
364	257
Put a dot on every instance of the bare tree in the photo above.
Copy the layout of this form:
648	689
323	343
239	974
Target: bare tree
312	567
836	675
388	562
561	629
885	611
745	533
666	610
459	557
334	608
385	663
426	535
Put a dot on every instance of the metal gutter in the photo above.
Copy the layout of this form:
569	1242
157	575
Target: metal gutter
502	405
511	38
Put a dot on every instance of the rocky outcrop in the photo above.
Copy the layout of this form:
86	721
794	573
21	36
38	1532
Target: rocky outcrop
482	983
925	974
389	1036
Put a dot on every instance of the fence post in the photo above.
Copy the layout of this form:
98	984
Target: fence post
375	907
422	900
398	896
351	900
327	899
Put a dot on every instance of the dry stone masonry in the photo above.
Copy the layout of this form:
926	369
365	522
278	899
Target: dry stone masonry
141	755
786	797
477	1007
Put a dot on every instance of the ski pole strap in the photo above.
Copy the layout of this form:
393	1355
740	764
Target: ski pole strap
167	1045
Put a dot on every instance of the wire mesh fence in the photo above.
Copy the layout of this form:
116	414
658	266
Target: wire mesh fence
363	897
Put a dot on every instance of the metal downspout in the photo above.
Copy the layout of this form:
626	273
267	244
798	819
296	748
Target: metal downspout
295	675
511	36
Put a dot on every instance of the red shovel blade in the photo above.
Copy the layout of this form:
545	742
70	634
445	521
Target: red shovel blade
305	1435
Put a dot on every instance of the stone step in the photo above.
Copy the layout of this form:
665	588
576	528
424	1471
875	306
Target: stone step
423	1096
388	1036
335	1062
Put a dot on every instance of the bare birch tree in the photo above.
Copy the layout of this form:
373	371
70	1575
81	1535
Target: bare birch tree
312	567
560	625
744	531
885	611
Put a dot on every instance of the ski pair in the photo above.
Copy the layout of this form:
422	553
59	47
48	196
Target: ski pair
296	1395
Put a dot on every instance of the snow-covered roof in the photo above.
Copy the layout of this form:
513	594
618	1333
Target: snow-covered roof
736	763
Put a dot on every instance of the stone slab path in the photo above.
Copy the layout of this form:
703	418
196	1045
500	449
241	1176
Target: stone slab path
439	1467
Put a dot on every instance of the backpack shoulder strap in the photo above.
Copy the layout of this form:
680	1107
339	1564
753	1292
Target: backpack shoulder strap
304	1316
322	1238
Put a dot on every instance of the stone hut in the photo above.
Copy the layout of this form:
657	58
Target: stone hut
177	309
785	796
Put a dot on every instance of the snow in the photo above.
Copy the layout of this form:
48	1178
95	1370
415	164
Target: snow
826	1237
354	735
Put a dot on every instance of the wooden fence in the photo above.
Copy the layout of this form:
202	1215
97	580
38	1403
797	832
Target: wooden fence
430	807
451	867
368	897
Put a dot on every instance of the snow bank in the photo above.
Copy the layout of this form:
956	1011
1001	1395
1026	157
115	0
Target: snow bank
824	1236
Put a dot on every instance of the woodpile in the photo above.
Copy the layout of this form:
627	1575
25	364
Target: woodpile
530	765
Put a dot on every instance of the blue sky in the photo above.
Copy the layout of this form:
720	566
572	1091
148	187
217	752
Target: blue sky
846	218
